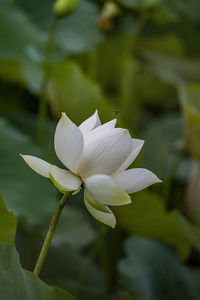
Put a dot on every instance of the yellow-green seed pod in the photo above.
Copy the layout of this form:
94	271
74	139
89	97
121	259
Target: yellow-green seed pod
63	8
110	10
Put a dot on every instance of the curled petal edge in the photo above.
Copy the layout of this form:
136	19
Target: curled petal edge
100	212
64	180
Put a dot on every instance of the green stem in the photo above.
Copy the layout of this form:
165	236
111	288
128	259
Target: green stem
50	233
105	261
191	204
128	75
42	111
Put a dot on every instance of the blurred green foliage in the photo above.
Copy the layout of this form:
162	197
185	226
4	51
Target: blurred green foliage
151	262
17	283
143	66
8	224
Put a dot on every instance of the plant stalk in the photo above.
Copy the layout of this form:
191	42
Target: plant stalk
42	111
50	233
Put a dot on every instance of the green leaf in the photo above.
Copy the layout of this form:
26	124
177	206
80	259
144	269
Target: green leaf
188	8
63	267
69	90
18	284
163	44
146	216
128	297
10	70
76	33
25	73
110	71
16	29
190	102
139	3
165	135
27	194
174	70
152	271
20	63
79	32
8	224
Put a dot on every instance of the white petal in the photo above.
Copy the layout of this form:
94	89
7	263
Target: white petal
109	125
98	211
134	180
105	151
91	123
137	146
68	143
64	180
40	166
106	190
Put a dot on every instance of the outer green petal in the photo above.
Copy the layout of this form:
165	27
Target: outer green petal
105	190
64	180
98	211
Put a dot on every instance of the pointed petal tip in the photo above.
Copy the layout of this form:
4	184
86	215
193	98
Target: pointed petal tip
135	180
142	142
156	178
113	221
63	117
129	201
91	123
159	180
124	131
100	212
38	165
24	156
98	121
138	142
97	116
113	225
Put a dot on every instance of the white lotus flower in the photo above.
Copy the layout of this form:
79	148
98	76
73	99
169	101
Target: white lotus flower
97	156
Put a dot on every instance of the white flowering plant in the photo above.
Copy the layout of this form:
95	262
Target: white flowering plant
83	84
97	157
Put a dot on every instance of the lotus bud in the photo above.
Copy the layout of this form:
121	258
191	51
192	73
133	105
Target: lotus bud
109	11
63	8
